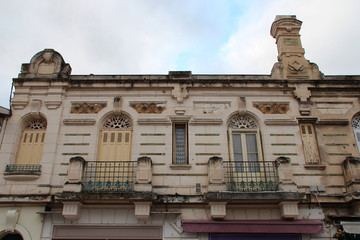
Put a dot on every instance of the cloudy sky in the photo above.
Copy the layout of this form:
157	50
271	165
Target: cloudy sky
157	36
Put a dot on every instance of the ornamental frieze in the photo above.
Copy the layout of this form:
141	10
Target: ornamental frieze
272	108
87	107
142	107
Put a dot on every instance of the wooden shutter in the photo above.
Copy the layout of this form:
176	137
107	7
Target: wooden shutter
31	147
115	145
310	146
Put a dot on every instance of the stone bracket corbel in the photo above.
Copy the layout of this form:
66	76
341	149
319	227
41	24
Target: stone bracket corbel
142	210
289	209
71	210
217	210
12	217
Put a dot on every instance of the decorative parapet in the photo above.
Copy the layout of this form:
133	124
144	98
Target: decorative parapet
143	175
216	174
292	63
217	210
73	182
351	168
285	174
46	64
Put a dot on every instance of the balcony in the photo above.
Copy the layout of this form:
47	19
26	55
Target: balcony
251	176
109	176
22	172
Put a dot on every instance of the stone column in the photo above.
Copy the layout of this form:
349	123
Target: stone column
216	175
73	182
285	173
351	168
143	175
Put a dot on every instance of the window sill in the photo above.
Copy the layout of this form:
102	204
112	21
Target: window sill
22	176
315	166
180	166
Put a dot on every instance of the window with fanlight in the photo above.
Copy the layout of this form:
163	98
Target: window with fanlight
245	145
31	143
115	140
356	128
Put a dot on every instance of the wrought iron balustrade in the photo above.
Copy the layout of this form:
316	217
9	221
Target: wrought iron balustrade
256	176
109	176
23	168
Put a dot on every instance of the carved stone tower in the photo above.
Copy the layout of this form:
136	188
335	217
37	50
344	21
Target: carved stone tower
291	61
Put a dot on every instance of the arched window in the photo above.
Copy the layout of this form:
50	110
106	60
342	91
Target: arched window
245	145
31	143
115	140
356	127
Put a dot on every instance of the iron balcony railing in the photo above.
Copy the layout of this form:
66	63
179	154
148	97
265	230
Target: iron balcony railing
109	176
256	176
23	168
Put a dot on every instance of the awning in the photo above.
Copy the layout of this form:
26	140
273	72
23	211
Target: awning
351	227
254	226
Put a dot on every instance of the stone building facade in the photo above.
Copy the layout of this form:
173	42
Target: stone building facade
180	155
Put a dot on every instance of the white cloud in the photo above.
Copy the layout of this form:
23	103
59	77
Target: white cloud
142	36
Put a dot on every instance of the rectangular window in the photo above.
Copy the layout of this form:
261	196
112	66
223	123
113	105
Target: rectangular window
310	146
245	148
180	143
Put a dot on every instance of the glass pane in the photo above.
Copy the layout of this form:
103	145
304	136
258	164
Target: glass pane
252	152
309	129
25	136
127	136
112	137
105	137
358	136
303	129
238	154
180	141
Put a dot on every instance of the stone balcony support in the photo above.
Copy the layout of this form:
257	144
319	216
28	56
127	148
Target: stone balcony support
73	181
142	210
143	175
289	209
71	210
351	168
217	210
216	175
286	178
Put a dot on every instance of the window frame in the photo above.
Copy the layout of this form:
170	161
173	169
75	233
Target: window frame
243	133
174	143
356	130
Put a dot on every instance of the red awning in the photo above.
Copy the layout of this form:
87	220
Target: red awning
254	226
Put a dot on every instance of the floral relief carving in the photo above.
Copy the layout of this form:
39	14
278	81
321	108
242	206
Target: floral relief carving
148	107
356	122
117	122
272	108
243	122
87	107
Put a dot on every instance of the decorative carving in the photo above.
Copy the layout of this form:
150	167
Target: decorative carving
243	122
356	122
37	124
87	107
148	107
272	108
12	217
180	93
117	122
